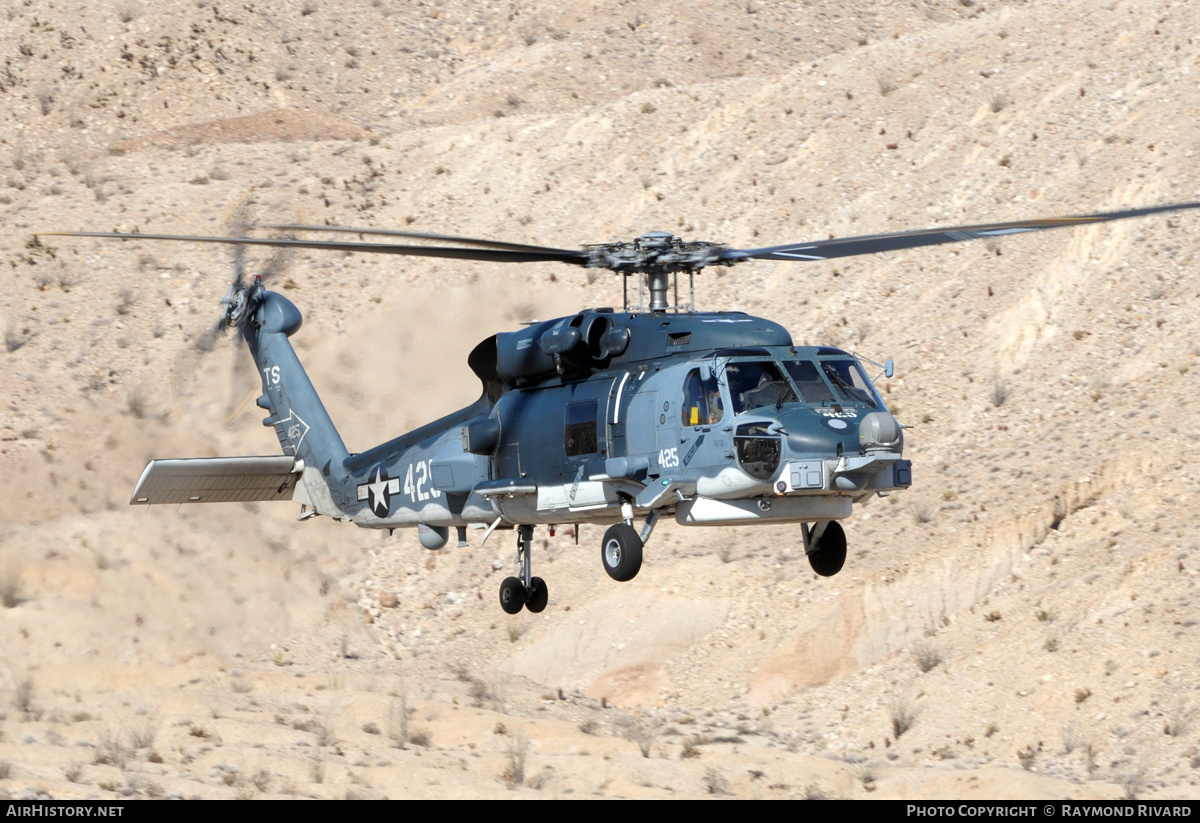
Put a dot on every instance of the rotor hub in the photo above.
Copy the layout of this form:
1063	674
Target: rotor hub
656	252
655	255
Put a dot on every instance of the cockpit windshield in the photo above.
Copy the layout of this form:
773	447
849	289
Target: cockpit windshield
849	381
808	380
757	383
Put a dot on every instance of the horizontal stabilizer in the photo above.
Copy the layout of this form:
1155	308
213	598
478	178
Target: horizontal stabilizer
216	480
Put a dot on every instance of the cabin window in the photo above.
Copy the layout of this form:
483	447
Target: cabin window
702	404
808	380
581	428
757	383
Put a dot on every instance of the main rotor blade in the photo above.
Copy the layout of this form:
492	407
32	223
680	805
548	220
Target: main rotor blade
446	238
874	243
489	255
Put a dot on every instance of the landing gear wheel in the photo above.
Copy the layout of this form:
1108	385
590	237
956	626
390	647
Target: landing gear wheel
512	595
621	552
537	595
830	553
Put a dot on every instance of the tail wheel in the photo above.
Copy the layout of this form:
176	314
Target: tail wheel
829	555
621	552
512	595
537	596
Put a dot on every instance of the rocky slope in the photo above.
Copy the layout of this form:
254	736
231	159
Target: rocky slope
1022	623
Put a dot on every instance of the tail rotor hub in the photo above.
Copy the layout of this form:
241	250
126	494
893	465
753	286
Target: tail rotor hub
235	306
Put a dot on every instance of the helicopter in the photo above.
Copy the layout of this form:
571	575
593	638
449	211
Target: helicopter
603	417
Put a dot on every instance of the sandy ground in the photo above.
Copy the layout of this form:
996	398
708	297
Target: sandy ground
1022	623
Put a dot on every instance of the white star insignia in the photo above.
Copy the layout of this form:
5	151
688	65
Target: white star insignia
378	490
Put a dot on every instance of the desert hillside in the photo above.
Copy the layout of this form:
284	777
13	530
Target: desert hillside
1022	623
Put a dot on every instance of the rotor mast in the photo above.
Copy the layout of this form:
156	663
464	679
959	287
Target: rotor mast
656	255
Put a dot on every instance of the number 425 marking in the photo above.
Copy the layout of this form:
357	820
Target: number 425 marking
416	491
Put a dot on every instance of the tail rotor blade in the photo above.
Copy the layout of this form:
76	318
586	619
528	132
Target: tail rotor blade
276	264
239	268
212	334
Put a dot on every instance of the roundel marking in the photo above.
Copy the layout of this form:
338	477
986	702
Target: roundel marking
378	491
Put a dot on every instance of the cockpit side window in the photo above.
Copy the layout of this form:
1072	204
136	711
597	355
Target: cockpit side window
808	380
850	382
757	383
702	404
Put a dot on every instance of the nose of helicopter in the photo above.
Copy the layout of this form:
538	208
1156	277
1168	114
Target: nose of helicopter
837	448
822	432
819	432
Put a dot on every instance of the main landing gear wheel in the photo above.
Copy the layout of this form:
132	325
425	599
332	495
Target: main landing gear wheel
829	555
621	552
512	595
537	595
